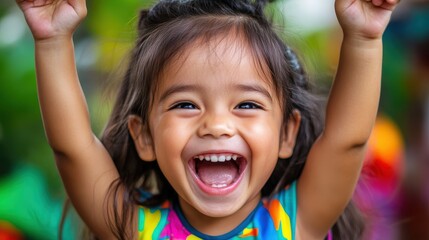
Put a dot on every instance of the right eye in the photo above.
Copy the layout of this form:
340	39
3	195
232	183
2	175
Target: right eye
183	105
247	106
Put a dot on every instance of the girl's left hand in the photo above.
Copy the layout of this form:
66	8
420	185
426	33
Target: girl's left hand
366	19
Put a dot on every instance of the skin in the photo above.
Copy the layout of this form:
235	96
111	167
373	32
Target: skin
333	164
220	104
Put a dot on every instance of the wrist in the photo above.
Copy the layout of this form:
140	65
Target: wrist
54	42
356	41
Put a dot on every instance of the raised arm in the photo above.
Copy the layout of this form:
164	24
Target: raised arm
84	164
334	163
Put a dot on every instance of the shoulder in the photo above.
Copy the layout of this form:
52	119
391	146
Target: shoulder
152	220
282	208
287	197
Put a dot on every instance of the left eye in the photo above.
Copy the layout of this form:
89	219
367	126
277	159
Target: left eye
184	105
248	105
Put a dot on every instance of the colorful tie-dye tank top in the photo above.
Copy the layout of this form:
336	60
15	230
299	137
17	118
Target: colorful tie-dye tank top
273	218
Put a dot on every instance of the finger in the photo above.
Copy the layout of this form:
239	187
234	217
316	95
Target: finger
38	3
393	2
20	1
24	4
385	4
377	2
390	4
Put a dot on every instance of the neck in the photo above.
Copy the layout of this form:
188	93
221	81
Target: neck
215	226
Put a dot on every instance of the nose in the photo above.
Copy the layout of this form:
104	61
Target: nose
216	125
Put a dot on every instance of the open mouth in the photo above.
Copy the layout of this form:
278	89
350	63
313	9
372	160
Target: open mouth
218	171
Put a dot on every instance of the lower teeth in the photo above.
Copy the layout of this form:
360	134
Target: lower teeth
219	185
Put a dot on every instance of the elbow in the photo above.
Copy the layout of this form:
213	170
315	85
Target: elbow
355	139
60	149
69	149
359	139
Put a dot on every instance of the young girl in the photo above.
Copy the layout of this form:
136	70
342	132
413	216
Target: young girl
213	123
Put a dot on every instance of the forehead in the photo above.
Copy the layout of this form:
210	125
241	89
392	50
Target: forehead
227	56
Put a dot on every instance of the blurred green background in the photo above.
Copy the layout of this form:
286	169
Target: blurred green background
31	193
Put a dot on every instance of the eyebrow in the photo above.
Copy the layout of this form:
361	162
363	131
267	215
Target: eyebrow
254	88
177	88
192	88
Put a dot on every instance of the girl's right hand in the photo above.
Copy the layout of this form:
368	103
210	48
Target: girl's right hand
49	19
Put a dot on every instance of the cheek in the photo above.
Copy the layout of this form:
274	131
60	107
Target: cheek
264	145
170	136
169	139
263	137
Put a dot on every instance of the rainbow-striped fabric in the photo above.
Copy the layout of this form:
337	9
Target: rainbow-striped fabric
273	218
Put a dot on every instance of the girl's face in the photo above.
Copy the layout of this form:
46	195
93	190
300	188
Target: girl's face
216	123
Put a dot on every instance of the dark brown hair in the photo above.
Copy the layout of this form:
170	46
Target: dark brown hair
165	32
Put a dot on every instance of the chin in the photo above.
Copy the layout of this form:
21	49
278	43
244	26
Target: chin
220	211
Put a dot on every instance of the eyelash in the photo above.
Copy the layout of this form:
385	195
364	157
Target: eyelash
191	106
249	105
183	105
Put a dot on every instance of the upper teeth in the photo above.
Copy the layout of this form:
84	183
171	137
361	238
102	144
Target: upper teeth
217	157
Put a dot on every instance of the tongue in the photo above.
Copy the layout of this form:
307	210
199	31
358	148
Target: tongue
217	173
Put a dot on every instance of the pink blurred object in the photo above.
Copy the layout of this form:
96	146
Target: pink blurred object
382	173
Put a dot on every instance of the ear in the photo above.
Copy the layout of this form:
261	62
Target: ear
288	134
142	138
